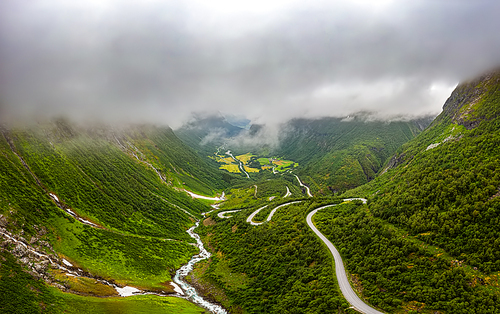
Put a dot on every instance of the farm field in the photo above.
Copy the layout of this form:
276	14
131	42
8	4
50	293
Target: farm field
254	164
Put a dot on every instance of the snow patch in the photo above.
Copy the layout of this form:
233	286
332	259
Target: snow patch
87	222
127	291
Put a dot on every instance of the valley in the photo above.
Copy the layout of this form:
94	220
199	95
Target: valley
342	216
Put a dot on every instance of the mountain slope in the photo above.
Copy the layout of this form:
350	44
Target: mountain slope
440	191
106	202
451	178
205	134
344	153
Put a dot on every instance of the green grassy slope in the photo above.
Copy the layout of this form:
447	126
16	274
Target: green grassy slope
140	239
22	293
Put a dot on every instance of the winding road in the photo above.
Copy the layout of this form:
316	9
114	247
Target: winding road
345	286
288	193
303	185
250	218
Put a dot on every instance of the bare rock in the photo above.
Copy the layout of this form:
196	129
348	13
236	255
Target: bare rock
41	267
20	250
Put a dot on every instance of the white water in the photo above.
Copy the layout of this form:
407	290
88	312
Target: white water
67	263
54	197
69	211
189	290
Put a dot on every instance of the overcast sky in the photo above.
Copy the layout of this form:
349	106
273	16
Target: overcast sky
159	61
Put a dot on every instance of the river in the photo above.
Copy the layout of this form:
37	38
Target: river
242	167
180	275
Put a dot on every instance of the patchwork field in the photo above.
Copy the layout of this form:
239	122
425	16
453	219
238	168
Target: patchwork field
254	164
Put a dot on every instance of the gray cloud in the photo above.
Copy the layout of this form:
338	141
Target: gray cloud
160	61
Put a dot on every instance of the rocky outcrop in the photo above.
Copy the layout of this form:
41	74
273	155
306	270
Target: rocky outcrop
395	161
460	105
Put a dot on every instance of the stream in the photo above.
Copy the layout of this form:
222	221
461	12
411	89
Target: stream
180	274
242	168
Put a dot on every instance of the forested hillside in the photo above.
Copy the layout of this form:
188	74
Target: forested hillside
278	267
441	192
339	154
107	202
427	242
446	183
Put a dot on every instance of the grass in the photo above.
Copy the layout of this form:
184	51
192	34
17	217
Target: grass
264	161
85	286
143	262
232	280
76	304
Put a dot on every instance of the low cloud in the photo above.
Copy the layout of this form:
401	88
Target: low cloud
159	61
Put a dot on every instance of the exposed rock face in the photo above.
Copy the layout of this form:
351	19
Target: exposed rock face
396	160
460	105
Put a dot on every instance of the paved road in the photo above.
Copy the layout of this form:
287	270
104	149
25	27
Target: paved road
302	184
288	193
250	218
344	284
224	214
345	287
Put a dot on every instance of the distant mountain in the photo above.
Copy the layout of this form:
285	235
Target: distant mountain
240	122
205	133
342	153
